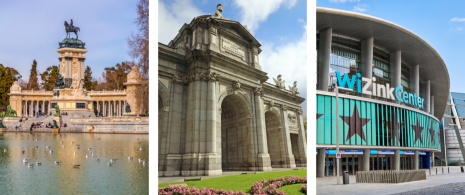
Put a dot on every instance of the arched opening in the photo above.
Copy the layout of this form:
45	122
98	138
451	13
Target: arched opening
236	135
275	140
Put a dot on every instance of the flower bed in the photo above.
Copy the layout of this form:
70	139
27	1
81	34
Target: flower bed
271	186
182	190
258	188
303	189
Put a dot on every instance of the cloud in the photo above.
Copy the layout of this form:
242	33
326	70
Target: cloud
455	19
171	18
289	60
343	1
361	7
256	11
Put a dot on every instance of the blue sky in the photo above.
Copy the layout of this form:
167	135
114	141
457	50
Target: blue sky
32	29
440	23
279	25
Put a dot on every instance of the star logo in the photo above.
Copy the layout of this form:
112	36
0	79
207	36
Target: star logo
318	115
432	133
355	124
417	129
394	125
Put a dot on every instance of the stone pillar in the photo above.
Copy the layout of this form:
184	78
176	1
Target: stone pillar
324	55
366	160
396	160
211	117
427	95
415	161
396	68
31	108
104	109
289	156
320	162
415	79
264	160
302	143
43	107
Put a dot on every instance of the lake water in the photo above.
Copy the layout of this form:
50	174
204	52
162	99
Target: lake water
92	177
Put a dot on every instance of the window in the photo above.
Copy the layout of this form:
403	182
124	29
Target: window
80	105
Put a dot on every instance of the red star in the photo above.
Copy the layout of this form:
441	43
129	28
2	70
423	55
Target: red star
355	124
394	126
417	129
432	133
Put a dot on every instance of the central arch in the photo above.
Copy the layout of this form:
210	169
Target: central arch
236	135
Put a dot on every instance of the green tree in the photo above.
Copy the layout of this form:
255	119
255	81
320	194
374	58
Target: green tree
7	77
49	77
88	82
116	76
139	42
33	84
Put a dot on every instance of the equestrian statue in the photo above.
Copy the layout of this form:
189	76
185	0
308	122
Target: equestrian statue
71	28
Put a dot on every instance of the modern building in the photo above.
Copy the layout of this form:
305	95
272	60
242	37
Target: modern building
216	111
454	117
392	92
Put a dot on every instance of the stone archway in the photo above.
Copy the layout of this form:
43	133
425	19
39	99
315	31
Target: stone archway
275	139
236	135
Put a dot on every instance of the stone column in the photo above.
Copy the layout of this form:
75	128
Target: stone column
415	161
43	107
30	108
320	162
415	79
324	55
263	155
211	117
396	160
301	159
396	65
366	160
103	107
427	95
289	156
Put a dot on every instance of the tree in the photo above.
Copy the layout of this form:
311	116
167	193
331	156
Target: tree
49	77
139	42
7	77
116	76
33	84
89	83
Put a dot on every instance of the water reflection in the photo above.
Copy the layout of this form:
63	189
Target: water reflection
92	177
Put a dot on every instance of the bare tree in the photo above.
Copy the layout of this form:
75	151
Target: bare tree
139	42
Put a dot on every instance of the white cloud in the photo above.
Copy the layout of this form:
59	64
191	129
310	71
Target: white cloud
455	19
289	60
361	7
172	17
256	11
343	1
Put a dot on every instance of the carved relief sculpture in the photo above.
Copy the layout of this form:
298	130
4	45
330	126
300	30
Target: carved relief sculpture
236	85
258	91
292	118
218	14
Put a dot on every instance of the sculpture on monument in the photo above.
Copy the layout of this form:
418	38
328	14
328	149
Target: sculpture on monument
10	112
218	14
279	82
71	28
294	89
128	108
57	111
59	83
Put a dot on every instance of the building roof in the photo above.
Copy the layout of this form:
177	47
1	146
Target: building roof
392	37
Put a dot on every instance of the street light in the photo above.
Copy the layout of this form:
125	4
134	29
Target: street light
337	128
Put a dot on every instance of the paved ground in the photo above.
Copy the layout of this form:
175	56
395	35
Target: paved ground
447	183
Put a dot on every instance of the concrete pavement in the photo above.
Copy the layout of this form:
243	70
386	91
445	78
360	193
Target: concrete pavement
434	184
